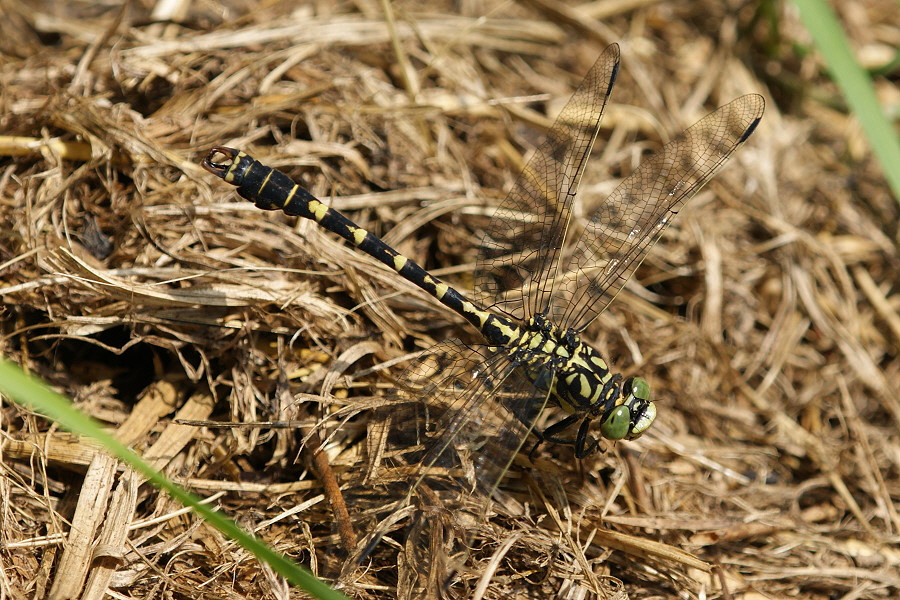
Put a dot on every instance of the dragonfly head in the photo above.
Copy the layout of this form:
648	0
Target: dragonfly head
633	414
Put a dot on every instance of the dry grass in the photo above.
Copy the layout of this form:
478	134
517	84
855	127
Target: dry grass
765	320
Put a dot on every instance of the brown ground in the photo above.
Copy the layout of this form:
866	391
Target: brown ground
766	320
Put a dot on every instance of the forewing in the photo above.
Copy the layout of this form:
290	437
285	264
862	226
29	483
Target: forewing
466	411
450	438
521	246
619	233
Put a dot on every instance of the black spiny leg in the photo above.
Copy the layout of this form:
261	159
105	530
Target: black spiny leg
584	444
549	433
582	450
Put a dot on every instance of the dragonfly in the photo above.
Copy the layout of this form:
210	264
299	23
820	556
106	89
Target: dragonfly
542	277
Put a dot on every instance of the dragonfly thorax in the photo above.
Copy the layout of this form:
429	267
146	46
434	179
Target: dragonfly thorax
580	381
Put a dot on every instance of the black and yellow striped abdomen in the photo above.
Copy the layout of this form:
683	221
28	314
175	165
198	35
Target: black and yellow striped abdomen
271	189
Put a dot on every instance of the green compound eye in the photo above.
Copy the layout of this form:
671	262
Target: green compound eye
637	399
635	403
617	425
640	389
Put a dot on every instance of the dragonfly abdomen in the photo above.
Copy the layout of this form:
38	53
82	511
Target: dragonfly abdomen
270	189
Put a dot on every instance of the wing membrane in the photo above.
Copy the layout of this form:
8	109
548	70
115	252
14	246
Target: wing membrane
463	413
520	249
619	233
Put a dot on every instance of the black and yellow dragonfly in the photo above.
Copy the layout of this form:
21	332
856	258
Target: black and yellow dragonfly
542	277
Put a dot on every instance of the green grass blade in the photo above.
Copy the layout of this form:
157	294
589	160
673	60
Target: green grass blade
856	86
35	395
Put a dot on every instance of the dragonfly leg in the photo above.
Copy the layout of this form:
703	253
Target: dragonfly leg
549	434
585	444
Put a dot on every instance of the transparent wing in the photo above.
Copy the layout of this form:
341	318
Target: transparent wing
521	246
467	411
464	412
619	233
